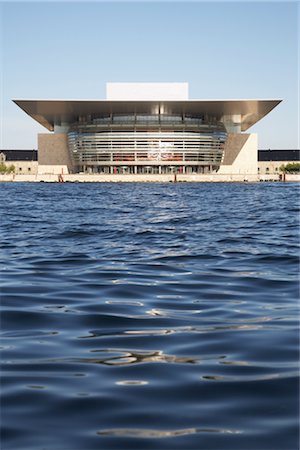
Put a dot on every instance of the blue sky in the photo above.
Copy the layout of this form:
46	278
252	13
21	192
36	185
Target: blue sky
223	49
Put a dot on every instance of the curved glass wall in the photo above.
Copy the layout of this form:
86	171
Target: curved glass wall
149	140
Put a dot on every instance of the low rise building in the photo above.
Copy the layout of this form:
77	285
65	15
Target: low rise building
24	161
271	161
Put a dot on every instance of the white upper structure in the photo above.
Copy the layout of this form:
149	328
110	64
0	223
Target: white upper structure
147	91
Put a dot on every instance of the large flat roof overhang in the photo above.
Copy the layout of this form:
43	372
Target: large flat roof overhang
50	112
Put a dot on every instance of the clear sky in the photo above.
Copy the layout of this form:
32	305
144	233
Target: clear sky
67	50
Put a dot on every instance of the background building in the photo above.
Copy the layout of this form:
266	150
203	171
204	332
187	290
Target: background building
24	161
270	161
147	128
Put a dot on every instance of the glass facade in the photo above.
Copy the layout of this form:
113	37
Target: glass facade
137	143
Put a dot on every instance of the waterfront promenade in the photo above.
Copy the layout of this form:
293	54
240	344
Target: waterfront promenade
146	178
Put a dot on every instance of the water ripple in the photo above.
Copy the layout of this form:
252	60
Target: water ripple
139	316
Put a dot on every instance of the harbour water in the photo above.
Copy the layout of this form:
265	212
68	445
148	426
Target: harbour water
150	316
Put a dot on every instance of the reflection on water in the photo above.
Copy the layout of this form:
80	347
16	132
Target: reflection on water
162	434
36	387
132	382
150	316
245	378
141	357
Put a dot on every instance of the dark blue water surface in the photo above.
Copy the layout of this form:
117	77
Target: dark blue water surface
150	316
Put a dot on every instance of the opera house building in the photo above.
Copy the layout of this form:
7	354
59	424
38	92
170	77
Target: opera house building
147	128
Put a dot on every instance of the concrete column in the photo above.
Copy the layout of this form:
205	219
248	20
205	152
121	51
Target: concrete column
63	127
232	123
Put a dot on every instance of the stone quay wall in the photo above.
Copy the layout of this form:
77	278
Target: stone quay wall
146	178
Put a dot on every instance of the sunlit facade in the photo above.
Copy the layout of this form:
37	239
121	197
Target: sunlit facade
147	129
